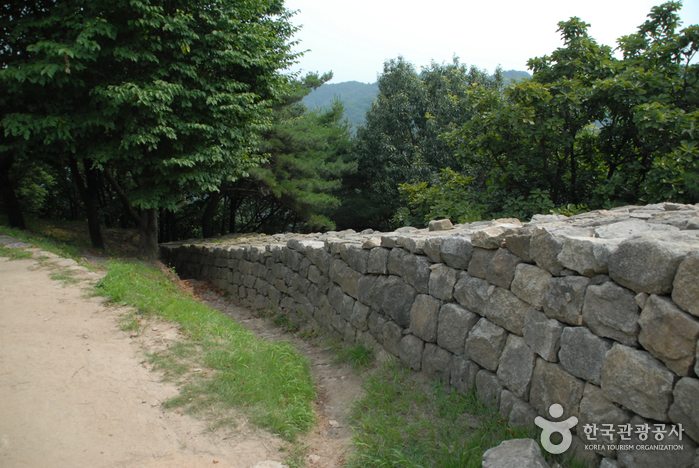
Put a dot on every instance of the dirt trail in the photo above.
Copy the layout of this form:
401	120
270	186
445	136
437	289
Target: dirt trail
74	390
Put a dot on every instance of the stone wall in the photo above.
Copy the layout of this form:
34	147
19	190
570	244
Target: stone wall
597	312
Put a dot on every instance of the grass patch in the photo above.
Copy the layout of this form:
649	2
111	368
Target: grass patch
400	422
358	356
269	382
43	242
14	254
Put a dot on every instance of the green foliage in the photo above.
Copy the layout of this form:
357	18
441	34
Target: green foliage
588	129
400	141
171	93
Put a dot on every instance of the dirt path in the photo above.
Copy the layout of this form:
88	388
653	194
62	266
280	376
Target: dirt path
74	390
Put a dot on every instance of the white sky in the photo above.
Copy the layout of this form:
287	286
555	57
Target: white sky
354	38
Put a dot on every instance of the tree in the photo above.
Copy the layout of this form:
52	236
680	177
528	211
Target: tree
172	93
400	140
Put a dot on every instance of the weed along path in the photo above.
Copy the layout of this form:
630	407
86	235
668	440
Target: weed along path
75	392
338	384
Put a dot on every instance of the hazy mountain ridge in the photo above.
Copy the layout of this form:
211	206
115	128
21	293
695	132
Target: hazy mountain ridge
357	96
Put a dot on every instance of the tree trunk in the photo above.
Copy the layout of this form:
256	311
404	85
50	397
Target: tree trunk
207	220
89	195
148	234
7	193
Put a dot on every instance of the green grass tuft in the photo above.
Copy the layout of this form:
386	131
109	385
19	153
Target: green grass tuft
400	422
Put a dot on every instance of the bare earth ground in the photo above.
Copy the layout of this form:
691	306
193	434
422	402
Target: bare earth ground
74	391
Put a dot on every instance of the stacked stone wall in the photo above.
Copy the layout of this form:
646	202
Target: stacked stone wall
597	312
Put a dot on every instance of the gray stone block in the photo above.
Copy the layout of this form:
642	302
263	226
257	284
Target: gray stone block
396	299
463	374
648	263
411	348
395	261
638	381
376	321
669	334
454	324
515	453
440	225
684	409
519	243
588	256
685	287
377	262
530	284
611	311
485	343
542	334
516	366
442	281
501	269
341	302
436	362
564	299
472	292
635	458
392	336
480	258
432	248
360	316
424	315
596	411
544	248
506	310
552	384
582	353
415	271
355	256
493	237
456	251
345	276
488	388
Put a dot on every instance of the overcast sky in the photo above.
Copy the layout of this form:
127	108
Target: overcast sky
354	38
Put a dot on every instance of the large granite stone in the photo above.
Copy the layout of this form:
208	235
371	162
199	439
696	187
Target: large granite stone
493	237
411	348
488	388
684	409
454	324
669	334
637	457
442	281
415	270
456	251
612	312
582	353
507	310
436	362
515	453
564	298
638	381
501	269
395	261
648	263
542	334
423	317
463	374
530	284
685	287
480	258
355	256
588	256
552	384
544	248
396	299
485	343
472	292
346	277
377	263
392	334
516	366
597	413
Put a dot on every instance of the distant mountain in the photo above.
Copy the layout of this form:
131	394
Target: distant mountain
513	76
357	96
